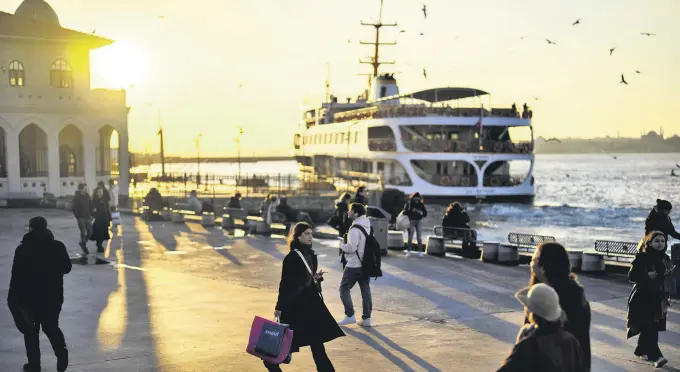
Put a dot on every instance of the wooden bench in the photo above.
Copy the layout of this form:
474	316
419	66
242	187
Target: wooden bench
466	237
616	253
526	243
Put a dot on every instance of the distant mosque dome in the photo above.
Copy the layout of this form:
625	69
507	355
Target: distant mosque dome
38	11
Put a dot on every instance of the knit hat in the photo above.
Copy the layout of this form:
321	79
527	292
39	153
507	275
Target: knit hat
664	204
542	300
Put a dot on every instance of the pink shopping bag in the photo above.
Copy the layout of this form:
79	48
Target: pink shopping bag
270	341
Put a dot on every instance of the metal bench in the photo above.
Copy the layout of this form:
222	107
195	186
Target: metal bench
467	238
526	243
618	253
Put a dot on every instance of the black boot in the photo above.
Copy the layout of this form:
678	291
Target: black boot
31	368
62	361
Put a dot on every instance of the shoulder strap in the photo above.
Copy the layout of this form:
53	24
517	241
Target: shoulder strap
361	228
305	262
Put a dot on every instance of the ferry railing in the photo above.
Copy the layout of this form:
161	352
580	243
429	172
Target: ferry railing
473	146
394	111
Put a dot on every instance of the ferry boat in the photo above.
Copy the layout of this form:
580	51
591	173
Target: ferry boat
444	143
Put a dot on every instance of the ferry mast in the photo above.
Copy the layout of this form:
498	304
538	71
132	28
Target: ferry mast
375	60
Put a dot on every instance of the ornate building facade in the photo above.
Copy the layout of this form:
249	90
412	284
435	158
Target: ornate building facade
55	132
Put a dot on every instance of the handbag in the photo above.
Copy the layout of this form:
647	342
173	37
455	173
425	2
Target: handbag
334	222
403	222
270	341
115	218
317	285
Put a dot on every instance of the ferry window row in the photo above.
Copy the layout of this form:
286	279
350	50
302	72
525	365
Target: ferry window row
337	138
61	75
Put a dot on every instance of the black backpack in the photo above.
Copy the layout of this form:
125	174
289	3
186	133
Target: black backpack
370	265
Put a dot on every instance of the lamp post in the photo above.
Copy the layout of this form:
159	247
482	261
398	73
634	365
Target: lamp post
198	158
238	143
160	134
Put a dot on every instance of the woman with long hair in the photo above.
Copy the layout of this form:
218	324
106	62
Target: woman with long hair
300	303
651	271
415	210
550	265
102	219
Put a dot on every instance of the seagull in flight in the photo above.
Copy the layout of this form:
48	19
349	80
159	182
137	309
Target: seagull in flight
623	80
241	85
522	38
611	50
550	42
536	98
638	72
402	31
425	73
647	34
94	31
677	165
424	11
673	173
578	22
553	140
422	34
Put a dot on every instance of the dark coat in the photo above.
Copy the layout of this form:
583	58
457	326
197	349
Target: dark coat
545	349
234	202
154	200
455	219
341	210
82	205
360	199
644	302
657	221
575	305
40	263
301	305
102	219
411	209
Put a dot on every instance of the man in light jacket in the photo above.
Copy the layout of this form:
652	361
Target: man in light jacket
113	193
353	251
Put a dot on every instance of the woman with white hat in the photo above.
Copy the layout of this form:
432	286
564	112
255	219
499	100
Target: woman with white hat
543	345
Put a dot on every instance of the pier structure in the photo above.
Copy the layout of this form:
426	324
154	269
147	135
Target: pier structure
55	131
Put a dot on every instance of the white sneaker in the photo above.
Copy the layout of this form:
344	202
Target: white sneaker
420	254
408	254
644	357
660	362
348	320
365	322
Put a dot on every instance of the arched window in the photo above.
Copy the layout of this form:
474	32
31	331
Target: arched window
16	74
61	75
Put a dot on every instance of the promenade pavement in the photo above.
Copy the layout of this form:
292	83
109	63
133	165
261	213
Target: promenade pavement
182	298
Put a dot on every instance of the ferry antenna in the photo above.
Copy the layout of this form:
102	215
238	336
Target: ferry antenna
375	60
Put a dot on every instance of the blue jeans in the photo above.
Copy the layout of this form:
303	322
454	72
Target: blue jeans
415	226
350	277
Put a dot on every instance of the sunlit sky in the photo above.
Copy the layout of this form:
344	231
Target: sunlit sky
190	63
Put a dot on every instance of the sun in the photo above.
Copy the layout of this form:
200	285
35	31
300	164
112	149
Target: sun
121	65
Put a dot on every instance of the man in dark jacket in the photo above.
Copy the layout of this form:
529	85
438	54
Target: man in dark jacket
82	210
36	292
235	201
543	345
659	219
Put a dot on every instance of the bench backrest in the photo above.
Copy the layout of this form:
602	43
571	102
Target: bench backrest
451	231
607	246
529	240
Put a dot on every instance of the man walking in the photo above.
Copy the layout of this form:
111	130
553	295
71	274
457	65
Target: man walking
353	251
36	292
82	210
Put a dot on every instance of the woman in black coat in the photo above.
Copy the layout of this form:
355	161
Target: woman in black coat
648	302
550	265
300	304
102	219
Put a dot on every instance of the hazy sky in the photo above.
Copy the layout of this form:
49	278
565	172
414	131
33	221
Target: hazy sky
191	62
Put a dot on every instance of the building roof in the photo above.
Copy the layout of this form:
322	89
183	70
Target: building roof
21	26
37	10
439	94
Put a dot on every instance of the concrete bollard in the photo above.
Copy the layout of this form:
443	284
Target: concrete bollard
575	258
592	262
490	251
227	222
435	246
177	217
208	220
508	254
395	240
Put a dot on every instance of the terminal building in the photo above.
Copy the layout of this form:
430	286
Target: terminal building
55	131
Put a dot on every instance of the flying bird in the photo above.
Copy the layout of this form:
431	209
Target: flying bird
578	22
673	173
402	31
522	38
425	73
241	85
647	34
611	50
424	11
421	34
94	31
349	41
623	80
553	140
550	42
536	98
638	72
677	165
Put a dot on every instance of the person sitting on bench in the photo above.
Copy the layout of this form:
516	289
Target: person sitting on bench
457	218
197	206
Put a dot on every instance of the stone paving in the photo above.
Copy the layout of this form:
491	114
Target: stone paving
182	297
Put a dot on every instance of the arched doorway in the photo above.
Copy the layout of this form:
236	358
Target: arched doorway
107	152
3	154
33	152
70	152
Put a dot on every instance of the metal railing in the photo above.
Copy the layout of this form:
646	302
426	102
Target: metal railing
612	247
529	240
473	146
